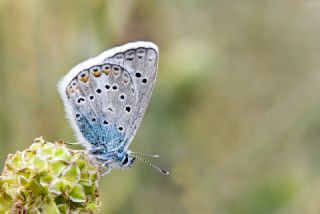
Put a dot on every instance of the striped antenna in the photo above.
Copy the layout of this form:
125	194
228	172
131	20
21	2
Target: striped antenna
145	155
150	164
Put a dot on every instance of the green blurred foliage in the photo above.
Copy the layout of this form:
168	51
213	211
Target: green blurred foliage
234	114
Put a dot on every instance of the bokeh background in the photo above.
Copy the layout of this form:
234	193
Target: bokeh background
235	114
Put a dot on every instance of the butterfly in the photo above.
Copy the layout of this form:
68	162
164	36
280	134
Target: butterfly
105	98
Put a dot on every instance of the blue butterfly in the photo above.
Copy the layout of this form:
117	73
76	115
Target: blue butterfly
105	98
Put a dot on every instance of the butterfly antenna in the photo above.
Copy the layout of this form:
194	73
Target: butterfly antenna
146	155
152	165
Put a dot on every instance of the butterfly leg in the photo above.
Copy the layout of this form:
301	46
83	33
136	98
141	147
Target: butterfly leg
69	143
95	149
108	170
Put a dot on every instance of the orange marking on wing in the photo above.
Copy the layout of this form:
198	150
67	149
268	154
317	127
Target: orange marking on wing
84	79
96	73
106	71
70	91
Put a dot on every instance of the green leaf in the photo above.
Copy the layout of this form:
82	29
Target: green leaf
47	150
77	194
62	208
5	203
45	180
34	187
62	153
57	187
40	163
50	208
72	173
56	167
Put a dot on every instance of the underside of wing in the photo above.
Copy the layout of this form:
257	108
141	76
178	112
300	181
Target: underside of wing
105	97
141	62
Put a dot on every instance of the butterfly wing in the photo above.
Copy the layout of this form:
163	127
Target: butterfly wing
141	62
105	97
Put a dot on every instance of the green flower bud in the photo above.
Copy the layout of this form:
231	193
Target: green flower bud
49	178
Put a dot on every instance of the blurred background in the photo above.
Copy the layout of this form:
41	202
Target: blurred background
235	113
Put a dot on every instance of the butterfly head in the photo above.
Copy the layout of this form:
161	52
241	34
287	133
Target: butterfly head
122	160
127	161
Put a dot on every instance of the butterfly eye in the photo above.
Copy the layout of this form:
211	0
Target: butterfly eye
125	160
96	71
